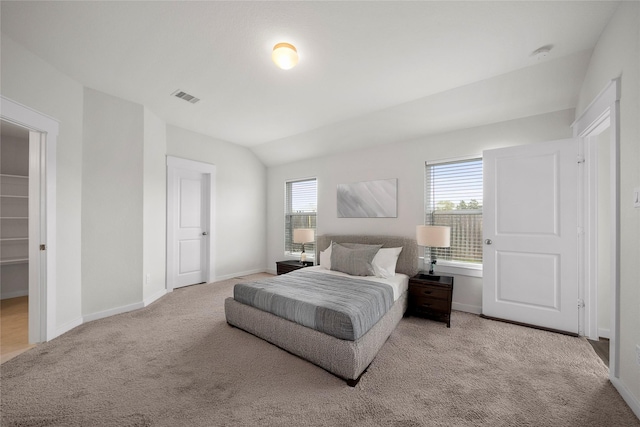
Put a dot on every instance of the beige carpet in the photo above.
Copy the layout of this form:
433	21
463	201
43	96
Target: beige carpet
177	363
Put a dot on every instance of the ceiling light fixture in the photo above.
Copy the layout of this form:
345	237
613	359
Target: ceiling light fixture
285	55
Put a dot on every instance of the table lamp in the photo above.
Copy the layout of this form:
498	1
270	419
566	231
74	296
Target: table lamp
303	235
433	236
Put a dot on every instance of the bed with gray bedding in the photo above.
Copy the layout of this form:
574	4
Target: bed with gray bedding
343	307
303	312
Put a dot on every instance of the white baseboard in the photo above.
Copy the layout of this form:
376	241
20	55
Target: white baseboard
112	312
153	298
241	273
474	309
604	333
15	294
629	398
106	313
66	327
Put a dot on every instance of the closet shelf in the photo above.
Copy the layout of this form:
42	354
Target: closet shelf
7	175
8	261
14	217
9	196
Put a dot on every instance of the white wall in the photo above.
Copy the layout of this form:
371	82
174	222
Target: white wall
240	200
34	83
112	198
406	162
154	208
617	54
112	202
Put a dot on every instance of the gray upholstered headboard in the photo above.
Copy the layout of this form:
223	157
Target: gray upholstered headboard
407	261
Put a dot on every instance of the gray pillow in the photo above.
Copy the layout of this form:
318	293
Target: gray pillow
358	245
356	262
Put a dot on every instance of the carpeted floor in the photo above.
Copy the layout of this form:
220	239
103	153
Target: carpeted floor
178	363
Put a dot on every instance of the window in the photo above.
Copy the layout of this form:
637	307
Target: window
300	212
453	197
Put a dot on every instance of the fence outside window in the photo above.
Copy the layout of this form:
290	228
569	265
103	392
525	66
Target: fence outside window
466	235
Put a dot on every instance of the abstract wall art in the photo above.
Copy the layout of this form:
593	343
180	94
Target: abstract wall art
369	199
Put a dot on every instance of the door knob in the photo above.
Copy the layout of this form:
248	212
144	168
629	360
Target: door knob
204	233
488	241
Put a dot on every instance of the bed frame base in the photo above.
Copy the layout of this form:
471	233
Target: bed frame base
345	359
353	383
350	382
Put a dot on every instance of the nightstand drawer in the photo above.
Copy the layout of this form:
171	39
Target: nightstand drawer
431	304
284	267
429	291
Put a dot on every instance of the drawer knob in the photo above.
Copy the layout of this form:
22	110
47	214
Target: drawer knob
427	292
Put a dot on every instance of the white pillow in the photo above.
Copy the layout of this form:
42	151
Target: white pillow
325	258
384	263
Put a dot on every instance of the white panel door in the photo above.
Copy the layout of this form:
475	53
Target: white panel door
190	227
530	272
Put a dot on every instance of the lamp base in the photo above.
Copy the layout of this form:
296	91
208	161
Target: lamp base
432	265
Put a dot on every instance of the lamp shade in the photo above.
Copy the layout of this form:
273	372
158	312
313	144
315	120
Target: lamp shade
303	235
433	236
285	55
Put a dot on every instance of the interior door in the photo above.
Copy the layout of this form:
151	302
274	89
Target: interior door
530	272
190	217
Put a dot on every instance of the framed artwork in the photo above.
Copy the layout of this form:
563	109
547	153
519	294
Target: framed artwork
368	199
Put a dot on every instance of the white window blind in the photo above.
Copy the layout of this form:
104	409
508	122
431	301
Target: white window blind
301	204
453	197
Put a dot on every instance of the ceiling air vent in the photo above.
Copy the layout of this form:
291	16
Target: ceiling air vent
184	95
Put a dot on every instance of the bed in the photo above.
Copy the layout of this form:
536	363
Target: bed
345	358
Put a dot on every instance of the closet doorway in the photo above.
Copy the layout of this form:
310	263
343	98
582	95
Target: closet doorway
14	240
600	271
40	218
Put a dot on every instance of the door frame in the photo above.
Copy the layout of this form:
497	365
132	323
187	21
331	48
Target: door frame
602	113
42	230
209	171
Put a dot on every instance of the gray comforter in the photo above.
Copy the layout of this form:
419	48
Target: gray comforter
343	307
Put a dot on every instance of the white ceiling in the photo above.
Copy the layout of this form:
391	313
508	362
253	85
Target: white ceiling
369	72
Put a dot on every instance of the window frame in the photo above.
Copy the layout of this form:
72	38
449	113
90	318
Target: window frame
290	247
450	266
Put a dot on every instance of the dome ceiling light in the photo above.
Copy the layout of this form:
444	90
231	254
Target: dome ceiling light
285	55
542	52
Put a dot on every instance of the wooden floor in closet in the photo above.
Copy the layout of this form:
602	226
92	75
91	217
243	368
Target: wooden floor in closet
14	327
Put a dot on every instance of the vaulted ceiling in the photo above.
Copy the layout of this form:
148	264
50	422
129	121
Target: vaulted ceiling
369	72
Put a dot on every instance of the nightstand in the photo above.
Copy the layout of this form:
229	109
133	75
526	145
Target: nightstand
430	297
283	267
